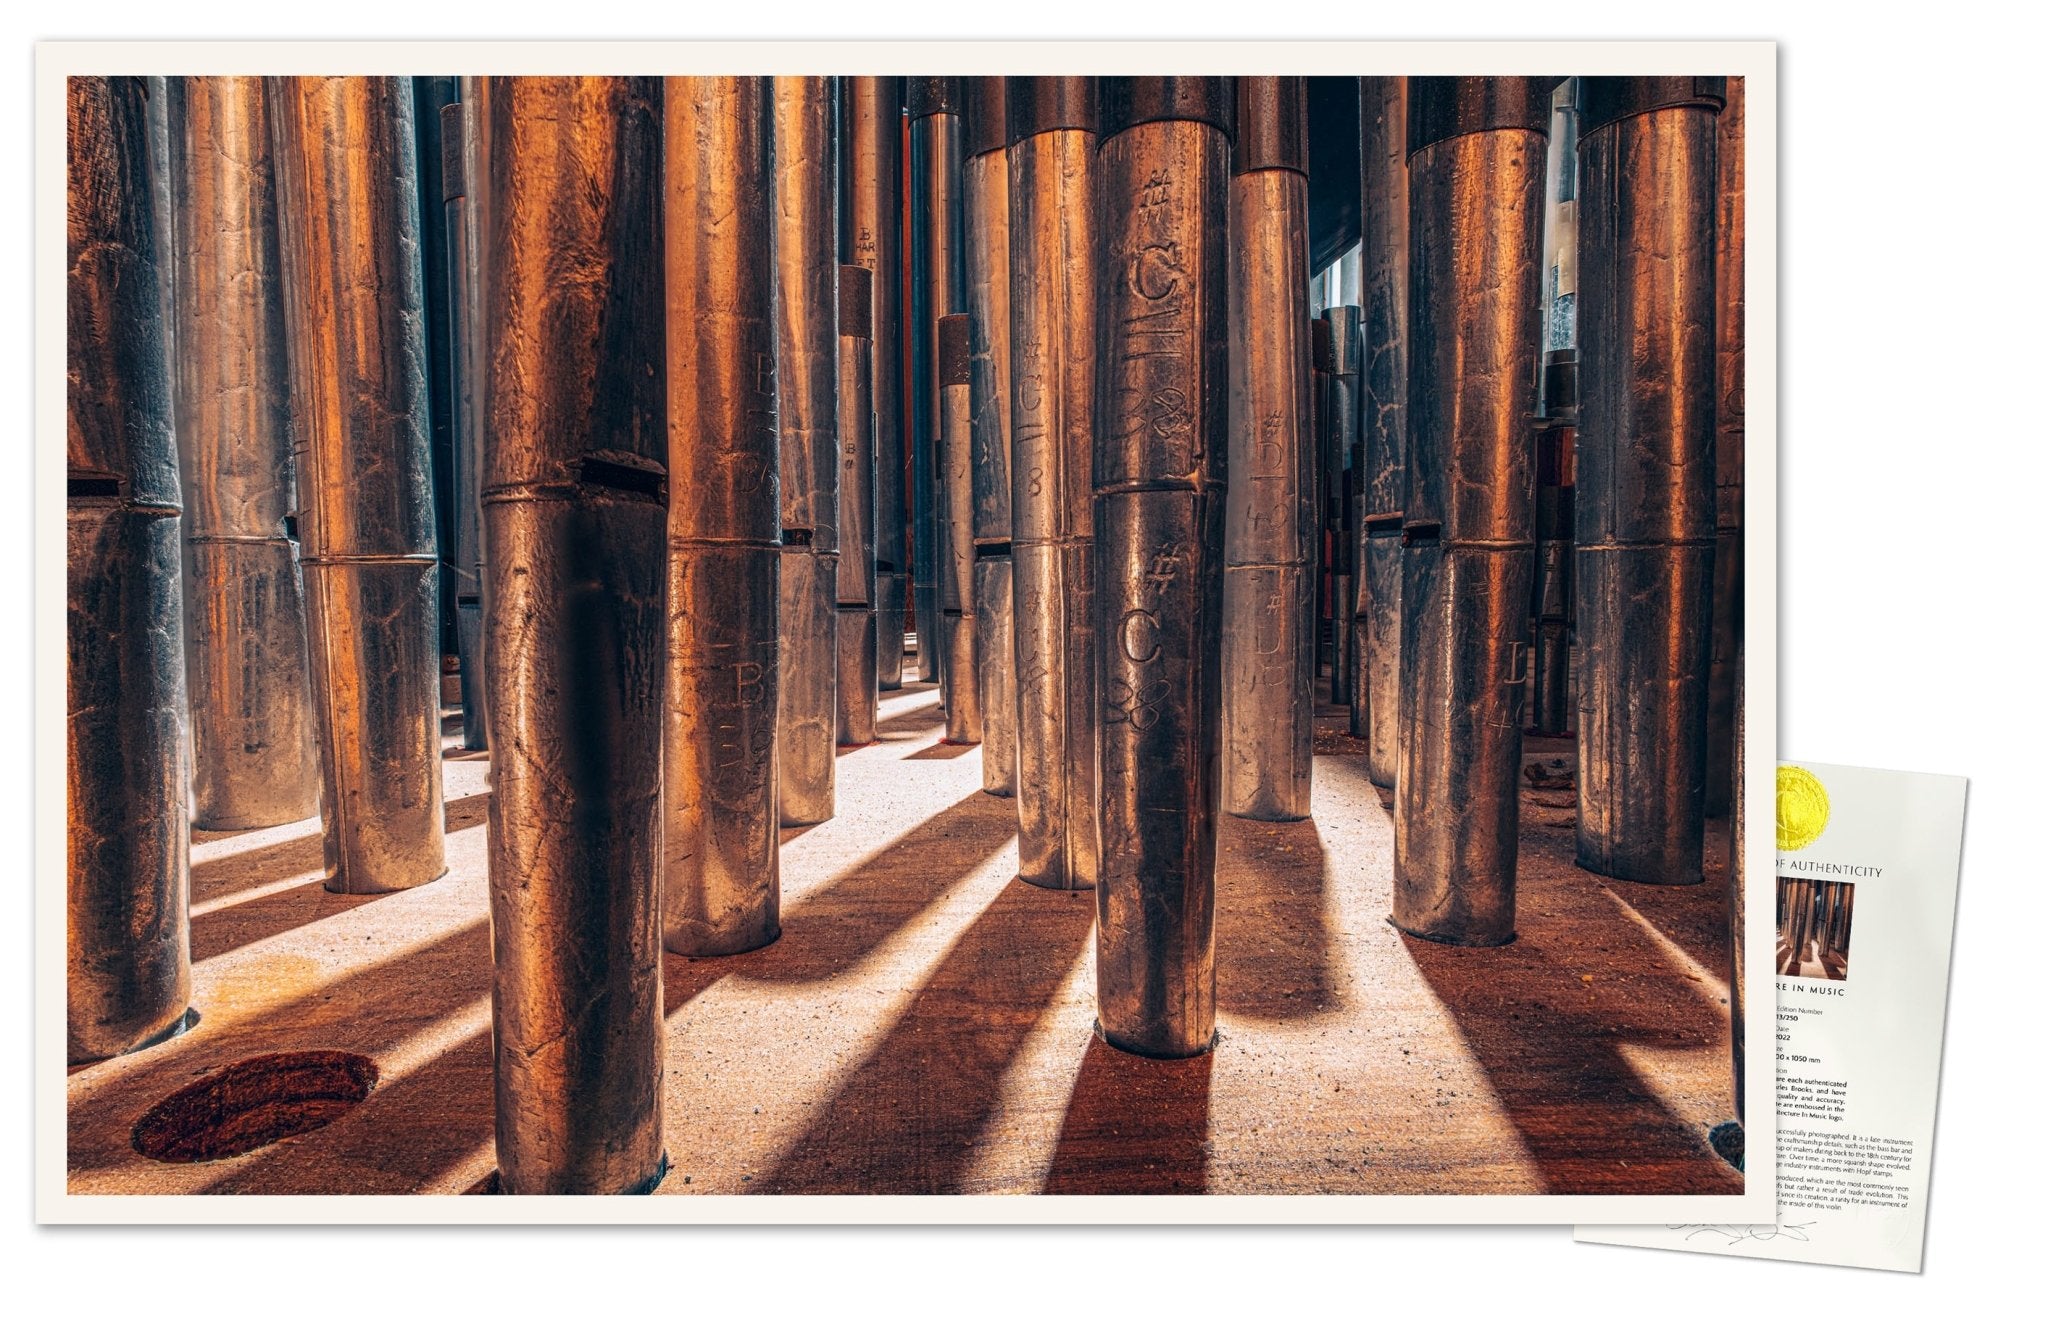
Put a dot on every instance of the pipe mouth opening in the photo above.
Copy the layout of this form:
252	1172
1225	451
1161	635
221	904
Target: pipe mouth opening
253	1103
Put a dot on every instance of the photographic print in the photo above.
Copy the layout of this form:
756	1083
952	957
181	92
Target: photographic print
777	624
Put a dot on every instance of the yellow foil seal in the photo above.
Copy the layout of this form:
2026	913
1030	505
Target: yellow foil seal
1802	808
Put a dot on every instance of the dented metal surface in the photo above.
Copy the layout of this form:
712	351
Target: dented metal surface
253	760
1475	182
344	152
1163	394
806	207
722	889
871	236
574	486
1270	530
1645	493
1383	418
128	971
1053	309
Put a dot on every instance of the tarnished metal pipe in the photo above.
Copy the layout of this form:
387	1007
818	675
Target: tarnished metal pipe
722	890
1270	524
1053	292
1341	413
1645	499
1728	451
958	658
470	443
806	200
574	478
1475	178
871	236
855	629
1383	420
938	288
430	97
253	762
985	193
128	965
346	196
464	265
1320	362
1163	394
1738	892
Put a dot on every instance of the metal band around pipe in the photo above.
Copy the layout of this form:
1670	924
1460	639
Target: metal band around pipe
573	498
344	150
128	967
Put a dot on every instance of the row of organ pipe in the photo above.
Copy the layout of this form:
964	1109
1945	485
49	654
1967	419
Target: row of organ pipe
721	424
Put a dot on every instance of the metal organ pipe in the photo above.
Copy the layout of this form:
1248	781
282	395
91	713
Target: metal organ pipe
985	194
722	890
1163	410
253	760
345	156
1053	308
128	966
806	200
856	576
1269	522
1383	246
1475	179
574	475
1645	496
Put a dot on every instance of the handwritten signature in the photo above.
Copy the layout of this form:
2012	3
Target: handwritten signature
1736	1235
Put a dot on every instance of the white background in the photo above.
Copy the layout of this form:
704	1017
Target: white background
1913	529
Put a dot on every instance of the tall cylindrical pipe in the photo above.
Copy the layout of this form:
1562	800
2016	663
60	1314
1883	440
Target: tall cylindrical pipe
1645	495
985	200
1163	395
466	525
1341	417
806	201
253	761
430	97
1738	896
128	964
722	887
855	628
574	471
1269	524
1475	178
958	657
1383	421
470	443
344	153
871	236
938	288
1728	451
1052	160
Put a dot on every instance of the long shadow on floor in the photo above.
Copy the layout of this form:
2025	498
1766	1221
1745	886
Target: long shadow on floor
1134	1125
1550	1042
366	1011
829	929
217	932
912	1117
1273	934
